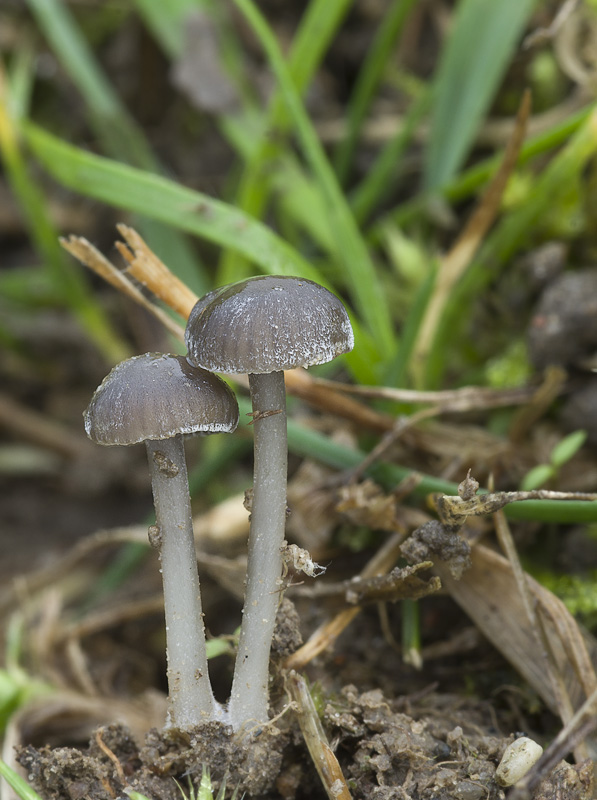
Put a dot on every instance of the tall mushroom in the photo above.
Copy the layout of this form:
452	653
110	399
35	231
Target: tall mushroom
156	398
263	326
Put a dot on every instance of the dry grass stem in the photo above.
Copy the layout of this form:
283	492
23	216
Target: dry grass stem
494	133
323	757
401	425
300	384
551	387
454	510
40	430
19	590
467	398
108	618
146	268
91	257
456	261
79	669
149	271
226	522
542	35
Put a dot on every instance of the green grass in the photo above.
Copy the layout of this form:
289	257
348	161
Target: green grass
365	290
369	79
119	134
261	158
472	63
548	192
68	284
324	238
321	228
18	784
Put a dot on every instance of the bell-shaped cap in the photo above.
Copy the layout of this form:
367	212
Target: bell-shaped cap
157	396
266	324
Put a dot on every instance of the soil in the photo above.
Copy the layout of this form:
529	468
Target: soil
444	747
395	736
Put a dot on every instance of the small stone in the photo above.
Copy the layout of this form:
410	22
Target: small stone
517	760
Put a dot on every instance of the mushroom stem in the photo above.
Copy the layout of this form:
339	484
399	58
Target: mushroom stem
249	697
191	699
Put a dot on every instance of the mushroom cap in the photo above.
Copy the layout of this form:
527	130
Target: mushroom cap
156	396
266	324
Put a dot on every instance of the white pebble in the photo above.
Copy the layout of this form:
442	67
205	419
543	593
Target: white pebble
517	760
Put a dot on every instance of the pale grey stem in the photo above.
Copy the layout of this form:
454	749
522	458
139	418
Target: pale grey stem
191	699
249	698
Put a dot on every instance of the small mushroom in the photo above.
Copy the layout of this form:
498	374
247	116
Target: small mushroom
263	326
156	398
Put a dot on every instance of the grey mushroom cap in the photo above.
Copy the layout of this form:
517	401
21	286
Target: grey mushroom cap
266	324
157	396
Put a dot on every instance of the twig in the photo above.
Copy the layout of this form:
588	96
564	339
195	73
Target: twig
150	271
454	510
91	257
325	761
467	398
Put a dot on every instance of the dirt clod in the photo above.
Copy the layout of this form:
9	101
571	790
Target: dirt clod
564	327
251	762
568	781
432	541
287	633
393	755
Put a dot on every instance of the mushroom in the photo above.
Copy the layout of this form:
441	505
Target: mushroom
156	398
263	326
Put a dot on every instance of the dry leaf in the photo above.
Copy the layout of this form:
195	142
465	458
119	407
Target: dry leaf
487	592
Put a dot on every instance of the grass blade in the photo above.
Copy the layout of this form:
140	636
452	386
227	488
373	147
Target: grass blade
381	178
18	784
316	29
127	187
165	20
454	264
565	168
118	131
364	287
397	370
22	76
468	182
368	80
119	134
68	282
472	64
306	442
301	200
